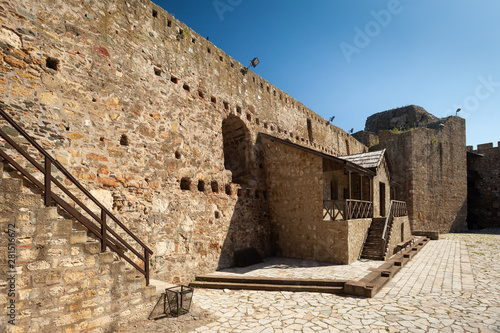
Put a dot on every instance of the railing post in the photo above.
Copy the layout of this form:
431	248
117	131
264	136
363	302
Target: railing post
48	181
146	265
103	231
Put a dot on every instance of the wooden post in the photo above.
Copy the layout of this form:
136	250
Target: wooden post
48	181
146	265
103	231
349	197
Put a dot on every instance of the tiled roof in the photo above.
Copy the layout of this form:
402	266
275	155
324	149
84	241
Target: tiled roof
366	160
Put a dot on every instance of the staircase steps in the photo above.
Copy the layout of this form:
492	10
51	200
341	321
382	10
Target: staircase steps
269	284
373	245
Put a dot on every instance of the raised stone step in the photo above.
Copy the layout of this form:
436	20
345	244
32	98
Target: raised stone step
267	287
11	185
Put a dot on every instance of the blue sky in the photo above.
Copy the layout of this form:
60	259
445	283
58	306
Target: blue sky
351	59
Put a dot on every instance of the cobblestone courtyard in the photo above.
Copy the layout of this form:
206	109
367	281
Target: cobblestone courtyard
452	285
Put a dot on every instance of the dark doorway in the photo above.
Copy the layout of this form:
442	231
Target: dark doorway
382	199
236	139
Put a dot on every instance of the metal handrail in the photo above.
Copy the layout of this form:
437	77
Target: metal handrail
114	242
396	209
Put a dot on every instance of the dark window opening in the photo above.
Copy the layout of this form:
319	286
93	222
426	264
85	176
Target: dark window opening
178	155
193	40
238	109
232	65
265	125
253	79
155	13
213	99
249	117
124	140
169	23
268	89
201	185
208	50
52	63
257	121
216	214
226	105
214	186
157	71
310	130
228	189
185	184
221	59
236	147
174	79
186	87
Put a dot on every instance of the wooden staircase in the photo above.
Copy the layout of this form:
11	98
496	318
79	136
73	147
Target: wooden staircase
374	247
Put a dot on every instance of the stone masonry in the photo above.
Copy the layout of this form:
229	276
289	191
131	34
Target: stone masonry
429	169
146	113
483	186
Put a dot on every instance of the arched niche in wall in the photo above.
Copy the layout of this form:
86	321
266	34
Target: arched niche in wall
237	149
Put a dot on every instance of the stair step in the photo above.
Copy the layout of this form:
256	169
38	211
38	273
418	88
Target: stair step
12	185
268	287
78	237
267	280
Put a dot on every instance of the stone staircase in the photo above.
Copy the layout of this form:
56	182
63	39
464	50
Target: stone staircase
373	245
62	280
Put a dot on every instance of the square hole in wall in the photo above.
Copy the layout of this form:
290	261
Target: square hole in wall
213	99
155	13
185	184
214	186
169	23
173	79
186	87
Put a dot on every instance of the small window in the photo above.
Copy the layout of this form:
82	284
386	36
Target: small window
238	109
169	23
208	50
157	71
155	13
214	186
52	63
186	87
185	184
174	79
201	185
249	117
221	59
213	99
228	190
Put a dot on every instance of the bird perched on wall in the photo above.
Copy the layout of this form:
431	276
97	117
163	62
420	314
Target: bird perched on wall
331	118
458	110
352	130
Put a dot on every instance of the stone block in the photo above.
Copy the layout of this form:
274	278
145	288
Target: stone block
106	258
78	237
12	185
47	213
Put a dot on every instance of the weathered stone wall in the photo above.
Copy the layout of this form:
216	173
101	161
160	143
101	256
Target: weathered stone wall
59	281
132	102
381	179
483	186
430	165
400	232
295	183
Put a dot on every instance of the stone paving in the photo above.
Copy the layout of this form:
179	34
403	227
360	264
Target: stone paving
452	285
303	269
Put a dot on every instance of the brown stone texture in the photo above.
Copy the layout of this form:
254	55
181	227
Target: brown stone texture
483	186
60	280
400	232
429	171
114	90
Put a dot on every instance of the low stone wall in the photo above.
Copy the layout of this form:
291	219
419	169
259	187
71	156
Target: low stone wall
400	232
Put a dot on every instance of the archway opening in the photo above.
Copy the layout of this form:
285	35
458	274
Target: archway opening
236	139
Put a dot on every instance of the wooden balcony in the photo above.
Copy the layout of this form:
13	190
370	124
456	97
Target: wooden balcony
338	210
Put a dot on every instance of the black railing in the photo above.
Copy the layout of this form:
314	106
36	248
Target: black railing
337	210
102	230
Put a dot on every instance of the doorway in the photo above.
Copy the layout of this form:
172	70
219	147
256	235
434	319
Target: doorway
382	199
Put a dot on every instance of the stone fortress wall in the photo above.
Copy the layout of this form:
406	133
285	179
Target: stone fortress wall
483	186
146	113
428	165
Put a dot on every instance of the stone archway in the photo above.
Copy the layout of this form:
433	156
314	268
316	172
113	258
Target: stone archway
237	149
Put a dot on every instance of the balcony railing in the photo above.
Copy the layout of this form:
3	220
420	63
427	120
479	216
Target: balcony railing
349	209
